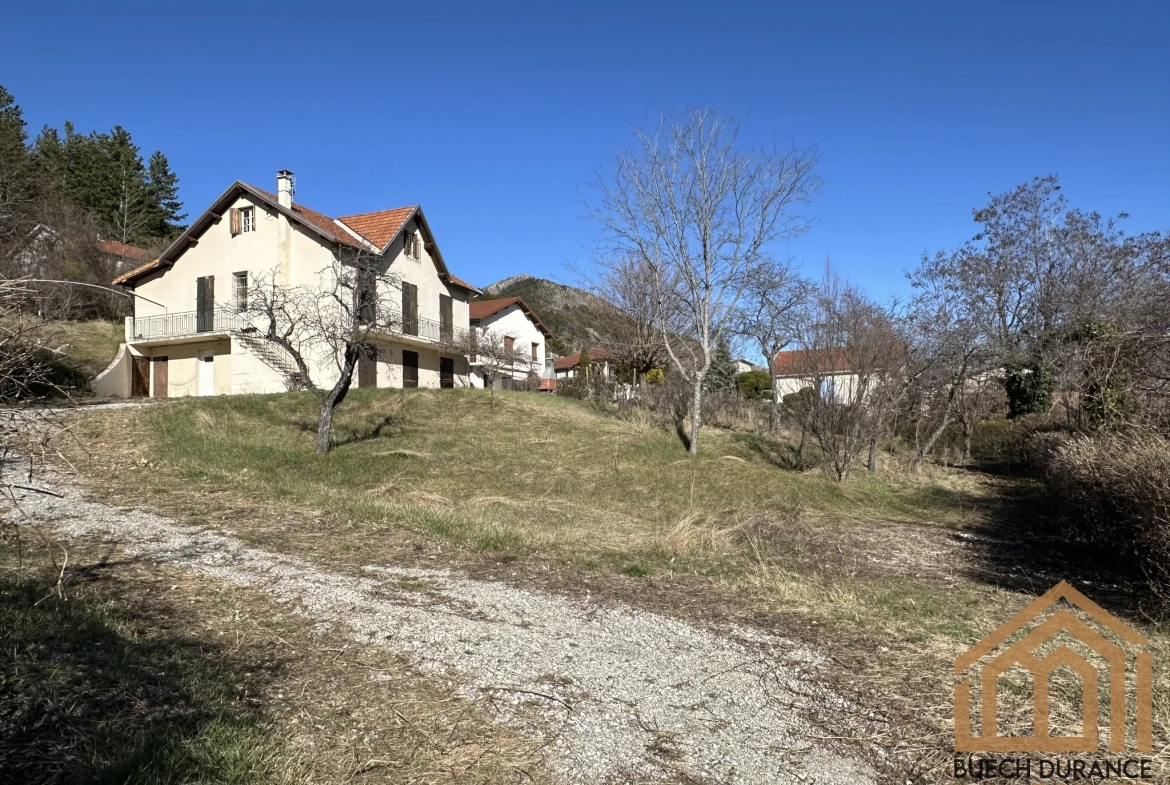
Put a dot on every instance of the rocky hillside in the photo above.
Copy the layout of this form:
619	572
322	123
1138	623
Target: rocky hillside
576	317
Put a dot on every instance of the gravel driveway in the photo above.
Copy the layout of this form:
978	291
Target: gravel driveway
627	693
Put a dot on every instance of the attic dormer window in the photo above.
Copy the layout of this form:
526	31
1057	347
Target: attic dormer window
410	245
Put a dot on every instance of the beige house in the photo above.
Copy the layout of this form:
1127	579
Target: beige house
191	333
521	330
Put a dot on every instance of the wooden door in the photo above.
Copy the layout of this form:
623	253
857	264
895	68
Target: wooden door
368	368
158	367
446	373
410	369
139	376
205	303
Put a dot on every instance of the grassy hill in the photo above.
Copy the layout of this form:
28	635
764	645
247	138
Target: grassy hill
576	317
887	573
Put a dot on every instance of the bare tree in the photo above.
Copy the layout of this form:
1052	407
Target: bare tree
497	357
700	212
851	358
769	314
634	336
326	327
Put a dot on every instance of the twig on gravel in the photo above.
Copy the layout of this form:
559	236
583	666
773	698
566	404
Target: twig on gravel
565	703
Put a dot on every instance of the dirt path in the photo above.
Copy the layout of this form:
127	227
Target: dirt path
628	694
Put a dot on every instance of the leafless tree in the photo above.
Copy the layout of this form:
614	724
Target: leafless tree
769	314
948	350
497	357
851	357
634	336
699	213
330	324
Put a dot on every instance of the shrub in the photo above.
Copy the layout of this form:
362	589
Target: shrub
1114	491
575	387
754	384
1024	445
1029	389
654	376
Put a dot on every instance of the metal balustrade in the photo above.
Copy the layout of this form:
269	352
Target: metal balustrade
228	320
177	325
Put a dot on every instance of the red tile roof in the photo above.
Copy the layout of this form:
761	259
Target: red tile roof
380	227
799	361
115	248
596	354
485	308
319	220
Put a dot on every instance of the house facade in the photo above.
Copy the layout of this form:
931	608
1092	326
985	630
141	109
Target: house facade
826	371
520	329
601	361
191	333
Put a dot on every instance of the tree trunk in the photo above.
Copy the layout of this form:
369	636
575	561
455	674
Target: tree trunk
800	447
773	414
334	399
872	464
696	414
923	451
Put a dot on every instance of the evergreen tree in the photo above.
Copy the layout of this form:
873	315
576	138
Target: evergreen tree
166	215
721	376
17	176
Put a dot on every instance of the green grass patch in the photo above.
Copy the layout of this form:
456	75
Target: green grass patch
94	692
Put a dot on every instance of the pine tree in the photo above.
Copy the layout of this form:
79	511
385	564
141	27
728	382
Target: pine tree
166	215
721	376
17	176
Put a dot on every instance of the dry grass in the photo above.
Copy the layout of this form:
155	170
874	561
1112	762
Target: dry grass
552	495
148	673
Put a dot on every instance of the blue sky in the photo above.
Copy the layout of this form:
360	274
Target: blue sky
495	116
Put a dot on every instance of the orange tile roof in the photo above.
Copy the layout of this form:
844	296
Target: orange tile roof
320	220
596	354
464	284
137	271
380	227
485	308
809	361
115	248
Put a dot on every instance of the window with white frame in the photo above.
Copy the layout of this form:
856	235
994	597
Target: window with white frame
240	291
247	219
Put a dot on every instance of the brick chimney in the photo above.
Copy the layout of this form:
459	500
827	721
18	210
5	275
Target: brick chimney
284	188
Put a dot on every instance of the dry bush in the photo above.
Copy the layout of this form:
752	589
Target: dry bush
1115	491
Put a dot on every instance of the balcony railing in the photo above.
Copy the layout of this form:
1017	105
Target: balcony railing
422	329
177	325
221	320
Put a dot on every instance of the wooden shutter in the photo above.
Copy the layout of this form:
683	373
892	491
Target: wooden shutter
446	319
205	303
235	220
508	343
409	309
534	347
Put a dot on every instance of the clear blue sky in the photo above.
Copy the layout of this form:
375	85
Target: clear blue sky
494	115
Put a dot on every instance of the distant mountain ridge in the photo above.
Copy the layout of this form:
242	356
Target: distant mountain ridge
576	317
